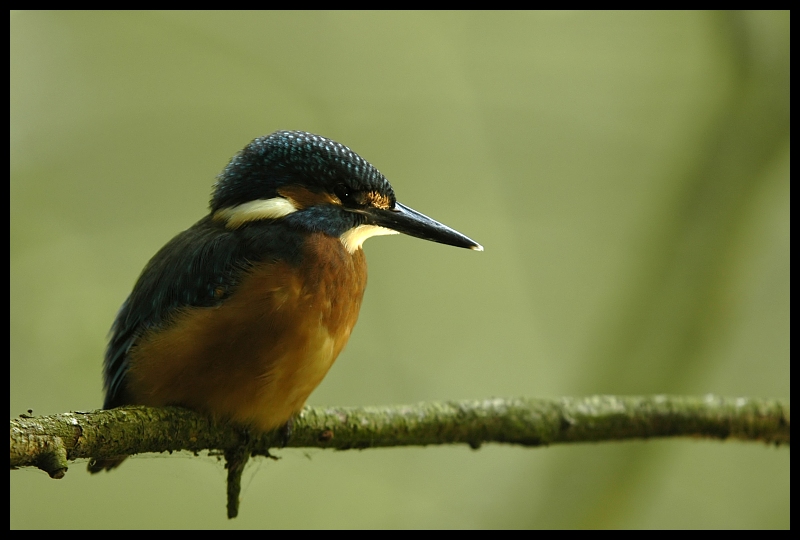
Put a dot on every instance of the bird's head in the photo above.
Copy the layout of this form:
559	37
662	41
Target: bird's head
319	185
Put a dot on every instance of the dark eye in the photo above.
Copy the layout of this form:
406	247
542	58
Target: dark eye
344	194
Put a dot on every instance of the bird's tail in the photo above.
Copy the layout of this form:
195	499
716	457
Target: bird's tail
97	465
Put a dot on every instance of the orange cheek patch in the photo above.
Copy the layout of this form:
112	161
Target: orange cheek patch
303	198
378	200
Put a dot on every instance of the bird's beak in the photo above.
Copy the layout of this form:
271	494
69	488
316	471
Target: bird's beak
405	220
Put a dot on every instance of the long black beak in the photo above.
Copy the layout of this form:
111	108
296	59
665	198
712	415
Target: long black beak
405	220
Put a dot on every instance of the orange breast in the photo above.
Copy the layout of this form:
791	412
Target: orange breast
256	358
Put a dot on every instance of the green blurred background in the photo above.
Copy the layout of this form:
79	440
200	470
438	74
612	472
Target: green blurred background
627	173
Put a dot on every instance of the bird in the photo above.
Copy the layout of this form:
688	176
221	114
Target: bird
241	316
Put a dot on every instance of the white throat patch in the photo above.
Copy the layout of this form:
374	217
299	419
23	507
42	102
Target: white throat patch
353	238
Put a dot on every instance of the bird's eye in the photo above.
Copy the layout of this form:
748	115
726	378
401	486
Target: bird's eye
344	194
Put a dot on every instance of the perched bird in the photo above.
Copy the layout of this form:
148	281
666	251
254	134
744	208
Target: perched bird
241	315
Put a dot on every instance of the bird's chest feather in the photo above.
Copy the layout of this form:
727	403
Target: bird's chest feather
256	357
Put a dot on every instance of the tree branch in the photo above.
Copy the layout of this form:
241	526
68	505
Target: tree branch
50	442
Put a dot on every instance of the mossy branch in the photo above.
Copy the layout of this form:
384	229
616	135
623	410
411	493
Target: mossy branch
51	442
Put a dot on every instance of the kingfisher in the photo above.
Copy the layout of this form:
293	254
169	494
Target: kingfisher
241	316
